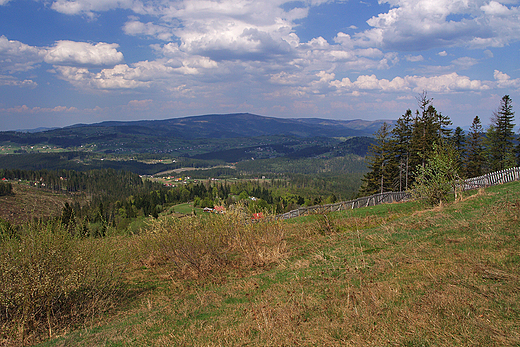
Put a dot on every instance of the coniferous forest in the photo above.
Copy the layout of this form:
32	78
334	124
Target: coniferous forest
401	152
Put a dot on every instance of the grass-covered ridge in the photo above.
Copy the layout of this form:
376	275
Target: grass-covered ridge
386	275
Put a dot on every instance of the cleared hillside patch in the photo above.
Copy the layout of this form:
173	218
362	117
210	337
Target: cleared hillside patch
28	203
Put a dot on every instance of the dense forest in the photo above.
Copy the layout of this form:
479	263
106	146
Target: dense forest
108	200
402	152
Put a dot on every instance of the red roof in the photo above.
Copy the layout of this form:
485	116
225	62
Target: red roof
258	215
220	209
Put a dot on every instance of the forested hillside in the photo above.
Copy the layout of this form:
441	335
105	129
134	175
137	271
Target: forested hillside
230	137
101	201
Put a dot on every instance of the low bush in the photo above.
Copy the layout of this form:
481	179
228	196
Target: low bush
51	281
439	178
194	247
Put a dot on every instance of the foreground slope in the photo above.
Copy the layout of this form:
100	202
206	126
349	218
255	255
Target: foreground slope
386	275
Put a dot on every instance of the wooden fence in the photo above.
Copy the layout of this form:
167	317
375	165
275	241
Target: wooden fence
491	179
371	200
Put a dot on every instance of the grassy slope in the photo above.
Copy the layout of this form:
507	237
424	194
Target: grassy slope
386	275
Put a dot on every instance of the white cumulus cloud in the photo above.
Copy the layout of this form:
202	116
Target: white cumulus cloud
424	24
16	56
438	84
505	81
414	58
14	82
83	53
135	27
90	7
119	77
447	83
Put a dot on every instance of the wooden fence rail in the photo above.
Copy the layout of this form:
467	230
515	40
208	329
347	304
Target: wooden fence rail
371	200
491	179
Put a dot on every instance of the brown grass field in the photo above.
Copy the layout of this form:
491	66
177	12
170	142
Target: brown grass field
389	275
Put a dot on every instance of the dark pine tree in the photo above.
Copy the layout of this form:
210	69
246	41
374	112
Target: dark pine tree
500	137
381	163
458	141
402	134
474	160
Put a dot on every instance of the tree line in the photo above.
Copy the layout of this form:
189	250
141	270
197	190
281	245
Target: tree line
108	199
402	152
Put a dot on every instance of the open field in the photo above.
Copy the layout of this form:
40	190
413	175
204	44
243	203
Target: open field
37	148
389	275
186	208
182	169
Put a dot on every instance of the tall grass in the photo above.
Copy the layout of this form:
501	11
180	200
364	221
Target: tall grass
193	247
51	282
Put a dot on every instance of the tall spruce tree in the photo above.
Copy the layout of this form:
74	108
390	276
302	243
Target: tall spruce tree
500	137
429	127
381	163
458	141
402	134
474	160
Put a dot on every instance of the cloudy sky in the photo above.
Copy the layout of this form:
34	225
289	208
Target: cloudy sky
64	62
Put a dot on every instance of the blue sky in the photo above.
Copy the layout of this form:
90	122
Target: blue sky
65	62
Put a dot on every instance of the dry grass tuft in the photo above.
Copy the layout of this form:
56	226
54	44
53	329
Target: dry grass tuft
197	247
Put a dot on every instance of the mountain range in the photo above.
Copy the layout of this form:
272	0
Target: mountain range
215	135
233	126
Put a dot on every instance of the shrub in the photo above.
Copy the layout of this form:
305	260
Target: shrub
439	177
50	281
6	188
194	247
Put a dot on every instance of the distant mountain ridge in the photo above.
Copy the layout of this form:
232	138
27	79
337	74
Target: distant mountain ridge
218	136
36	130
237	125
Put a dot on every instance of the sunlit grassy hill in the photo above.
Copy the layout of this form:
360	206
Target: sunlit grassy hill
397	274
